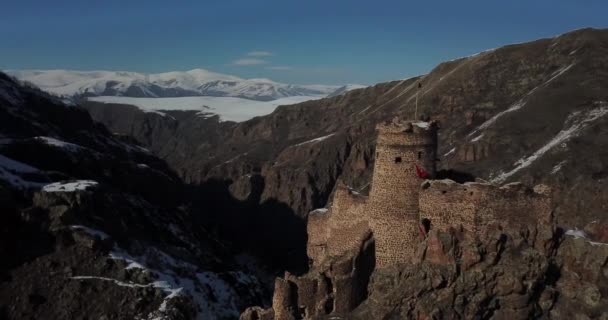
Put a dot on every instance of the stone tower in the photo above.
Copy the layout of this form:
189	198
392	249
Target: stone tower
393	201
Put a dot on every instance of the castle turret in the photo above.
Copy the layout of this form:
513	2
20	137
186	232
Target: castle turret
405	151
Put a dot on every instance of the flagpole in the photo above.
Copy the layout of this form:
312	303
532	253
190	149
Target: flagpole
416	111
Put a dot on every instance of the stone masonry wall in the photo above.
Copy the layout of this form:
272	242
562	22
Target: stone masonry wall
446	203
318	234
393	203
479	206
340	229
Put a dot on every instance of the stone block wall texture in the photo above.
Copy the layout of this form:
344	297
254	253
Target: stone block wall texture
446	203
335	290
317	229
393	202
284	299
340	229
477	206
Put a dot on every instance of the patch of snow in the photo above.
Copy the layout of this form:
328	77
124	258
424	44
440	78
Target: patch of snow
522	102
236	157
422	124
73	186
457	67
395	86
365	109
404	91
576	233
120	254
212	292
560	72
580	234
319	139
450	152
576	122
117	282
477	138
59	144
319	211
142	166
96	233
473	55
482	52
518	105
123	145
557	167
162	114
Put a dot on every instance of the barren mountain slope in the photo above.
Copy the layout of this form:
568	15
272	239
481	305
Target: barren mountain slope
95	226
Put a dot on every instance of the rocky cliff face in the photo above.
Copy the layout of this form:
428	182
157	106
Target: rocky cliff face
95	226
530	270
502	277
534	112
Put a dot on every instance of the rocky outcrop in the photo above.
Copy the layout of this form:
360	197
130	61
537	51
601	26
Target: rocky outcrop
583	282
334	288
504	276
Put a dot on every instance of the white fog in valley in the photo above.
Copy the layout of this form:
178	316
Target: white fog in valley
228	108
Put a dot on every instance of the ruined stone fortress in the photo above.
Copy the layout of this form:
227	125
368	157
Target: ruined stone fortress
392	211
357	234
402	207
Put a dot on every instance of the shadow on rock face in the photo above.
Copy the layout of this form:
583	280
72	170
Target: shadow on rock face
269	230
20	241
3	313
458	176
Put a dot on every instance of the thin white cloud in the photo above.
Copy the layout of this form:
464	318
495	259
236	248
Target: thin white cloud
249	62
280	68
260	54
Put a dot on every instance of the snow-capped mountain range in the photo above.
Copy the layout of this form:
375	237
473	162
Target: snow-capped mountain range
196	82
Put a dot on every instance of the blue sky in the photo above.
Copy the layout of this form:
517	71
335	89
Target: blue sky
329	42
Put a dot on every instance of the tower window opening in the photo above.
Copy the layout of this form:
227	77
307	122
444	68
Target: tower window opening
426	225
398	160
419	155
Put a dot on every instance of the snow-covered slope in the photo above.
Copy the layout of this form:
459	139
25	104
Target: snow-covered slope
197	82
228	108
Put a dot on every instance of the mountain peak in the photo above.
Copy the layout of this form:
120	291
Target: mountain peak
195	82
